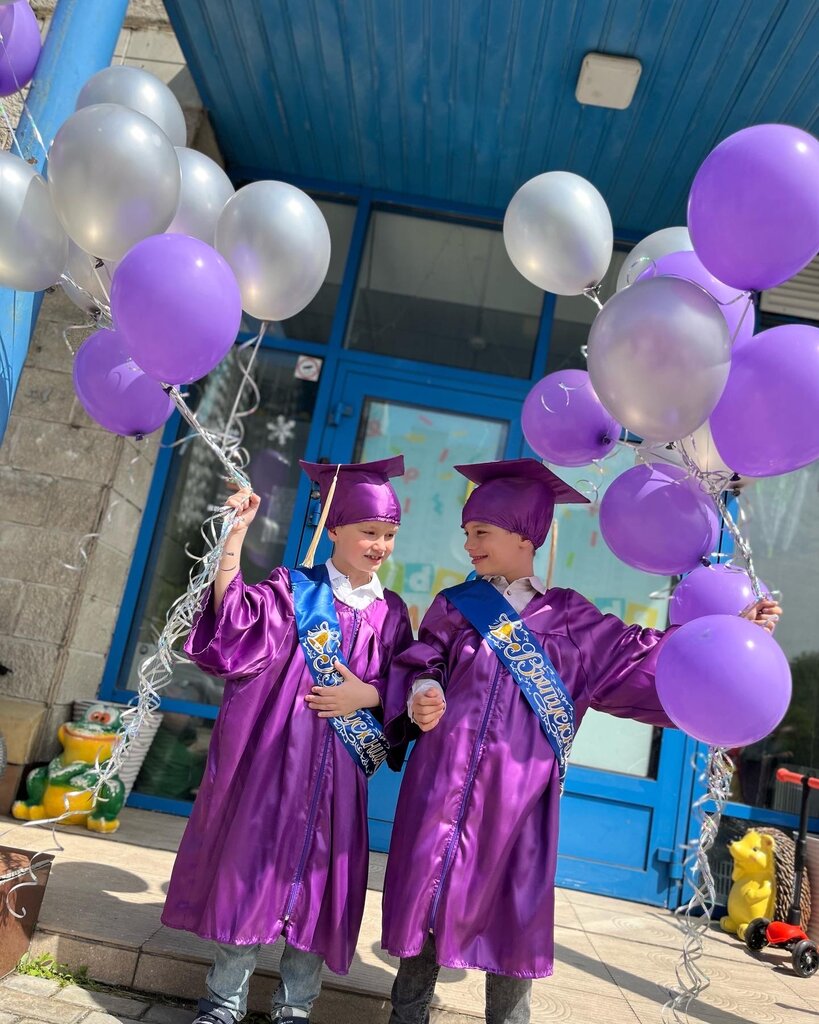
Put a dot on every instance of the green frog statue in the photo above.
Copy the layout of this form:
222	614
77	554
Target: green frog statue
67	783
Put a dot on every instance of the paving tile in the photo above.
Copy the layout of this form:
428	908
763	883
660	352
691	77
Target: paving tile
107	1018
33	986
167	1015
46	1011
102	1001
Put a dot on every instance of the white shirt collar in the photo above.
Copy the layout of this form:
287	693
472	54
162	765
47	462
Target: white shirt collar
367	592
532	582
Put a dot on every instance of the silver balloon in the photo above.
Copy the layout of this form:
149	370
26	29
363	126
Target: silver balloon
558	233
652	247
205	190
138	90
87	285
114	179
659	354
277	242
33	245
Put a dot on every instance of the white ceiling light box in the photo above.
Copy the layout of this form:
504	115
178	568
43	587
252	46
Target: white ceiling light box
607	81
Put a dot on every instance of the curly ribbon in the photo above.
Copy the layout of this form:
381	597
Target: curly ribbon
695	917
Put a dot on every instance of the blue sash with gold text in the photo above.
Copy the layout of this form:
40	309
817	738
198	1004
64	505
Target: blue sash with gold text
320	638
522	656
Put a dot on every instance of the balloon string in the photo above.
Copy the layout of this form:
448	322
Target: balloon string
234	472
695	916
593	293
26	110
102	310
233	442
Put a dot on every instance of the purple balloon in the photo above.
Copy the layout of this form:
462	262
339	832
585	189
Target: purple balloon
114	391
658	519
177	302
565	422
753	211
766	421
20	49
735	306
711	590
723	680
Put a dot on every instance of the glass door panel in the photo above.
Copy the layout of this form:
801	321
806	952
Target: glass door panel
429	554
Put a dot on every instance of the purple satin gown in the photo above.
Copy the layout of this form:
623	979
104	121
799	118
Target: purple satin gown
277	841
474	845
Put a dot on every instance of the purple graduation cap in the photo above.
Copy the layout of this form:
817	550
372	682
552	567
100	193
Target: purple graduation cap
518	495
355	492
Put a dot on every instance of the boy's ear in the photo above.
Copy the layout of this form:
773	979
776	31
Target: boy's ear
333	535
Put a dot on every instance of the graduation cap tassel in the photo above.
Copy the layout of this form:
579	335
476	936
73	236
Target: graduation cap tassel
314	543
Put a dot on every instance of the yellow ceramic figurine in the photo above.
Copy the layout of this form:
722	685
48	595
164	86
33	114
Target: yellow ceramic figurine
753	893
66	784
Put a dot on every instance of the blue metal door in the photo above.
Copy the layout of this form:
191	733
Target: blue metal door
618	830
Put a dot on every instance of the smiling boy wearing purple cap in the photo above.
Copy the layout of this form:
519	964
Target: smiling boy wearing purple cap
277	842
498	681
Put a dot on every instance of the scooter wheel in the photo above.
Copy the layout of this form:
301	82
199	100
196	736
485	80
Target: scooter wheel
805	958
756	933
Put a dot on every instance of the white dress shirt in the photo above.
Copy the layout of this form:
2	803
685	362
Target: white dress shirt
356	597
518	594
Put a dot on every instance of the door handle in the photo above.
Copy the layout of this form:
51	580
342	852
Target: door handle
337	413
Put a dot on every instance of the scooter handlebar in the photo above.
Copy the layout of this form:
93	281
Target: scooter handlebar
785	775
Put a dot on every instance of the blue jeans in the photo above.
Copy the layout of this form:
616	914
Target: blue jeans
507	999
229	978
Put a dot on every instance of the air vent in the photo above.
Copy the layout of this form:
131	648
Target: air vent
798	297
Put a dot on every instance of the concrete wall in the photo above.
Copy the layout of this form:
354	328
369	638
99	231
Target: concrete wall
71	494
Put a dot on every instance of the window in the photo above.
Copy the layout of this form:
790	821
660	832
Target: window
782	526
443	293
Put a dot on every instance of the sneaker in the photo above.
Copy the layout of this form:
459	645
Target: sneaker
218	1015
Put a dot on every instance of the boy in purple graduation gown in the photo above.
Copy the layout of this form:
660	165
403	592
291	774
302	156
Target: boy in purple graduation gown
470	875
277	842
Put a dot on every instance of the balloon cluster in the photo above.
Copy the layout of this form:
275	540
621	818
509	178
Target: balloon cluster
674	365
151	239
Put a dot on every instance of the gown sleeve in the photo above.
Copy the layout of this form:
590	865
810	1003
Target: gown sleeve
398	640
424	658
242	638
619	662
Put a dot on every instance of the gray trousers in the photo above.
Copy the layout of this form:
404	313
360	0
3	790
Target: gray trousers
507	999
229	978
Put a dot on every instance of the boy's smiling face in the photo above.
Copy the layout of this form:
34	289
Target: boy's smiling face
497	552
363	547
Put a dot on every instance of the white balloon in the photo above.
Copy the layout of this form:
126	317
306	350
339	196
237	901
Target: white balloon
277	242
86	284
700	448
33	245
205	190
141	91
558	233
652	247
114	179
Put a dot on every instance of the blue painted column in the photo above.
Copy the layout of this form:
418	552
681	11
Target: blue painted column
80	41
